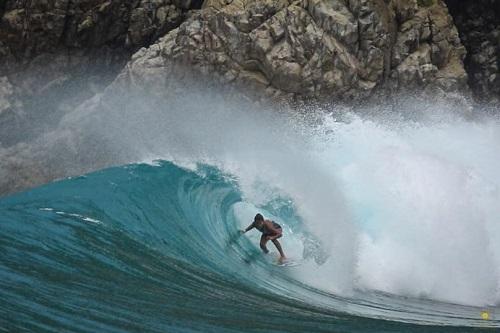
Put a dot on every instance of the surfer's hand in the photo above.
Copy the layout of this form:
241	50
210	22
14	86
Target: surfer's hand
241	232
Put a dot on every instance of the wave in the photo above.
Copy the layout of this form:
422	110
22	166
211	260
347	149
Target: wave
155	247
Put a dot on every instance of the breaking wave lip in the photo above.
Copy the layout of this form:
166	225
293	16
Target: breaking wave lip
162	243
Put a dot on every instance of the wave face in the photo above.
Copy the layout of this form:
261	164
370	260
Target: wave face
155	248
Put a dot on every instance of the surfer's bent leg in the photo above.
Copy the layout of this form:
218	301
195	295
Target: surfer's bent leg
263	241
278	246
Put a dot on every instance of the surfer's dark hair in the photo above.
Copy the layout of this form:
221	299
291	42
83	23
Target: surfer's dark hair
259	217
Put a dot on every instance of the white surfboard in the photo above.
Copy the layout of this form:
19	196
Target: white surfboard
288	262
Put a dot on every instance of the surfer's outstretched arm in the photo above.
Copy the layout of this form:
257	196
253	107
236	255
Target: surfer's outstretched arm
250	227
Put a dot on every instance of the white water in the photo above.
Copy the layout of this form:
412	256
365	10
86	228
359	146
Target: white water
427	200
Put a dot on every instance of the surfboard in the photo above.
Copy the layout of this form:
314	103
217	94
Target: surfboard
288	263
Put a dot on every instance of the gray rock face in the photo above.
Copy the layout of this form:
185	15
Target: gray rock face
478	23
319	49
428	51
34	27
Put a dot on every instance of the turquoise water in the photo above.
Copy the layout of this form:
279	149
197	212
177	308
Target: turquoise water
155	248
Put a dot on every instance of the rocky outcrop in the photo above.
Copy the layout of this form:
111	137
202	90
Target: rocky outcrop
428	51
316	49
30	28
55	54
478	22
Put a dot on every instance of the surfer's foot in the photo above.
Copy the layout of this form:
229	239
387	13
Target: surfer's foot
281	260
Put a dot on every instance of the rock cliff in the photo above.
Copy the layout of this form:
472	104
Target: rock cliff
317	49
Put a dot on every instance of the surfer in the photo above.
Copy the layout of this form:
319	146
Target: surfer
271	231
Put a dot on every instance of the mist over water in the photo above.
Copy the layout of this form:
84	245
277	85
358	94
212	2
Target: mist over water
407	205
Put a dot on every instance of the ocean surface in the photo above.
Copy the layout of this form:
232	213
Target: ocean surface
154	247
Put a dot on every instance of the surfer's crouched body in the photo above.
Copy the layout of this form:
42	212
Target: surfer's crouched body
271	231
